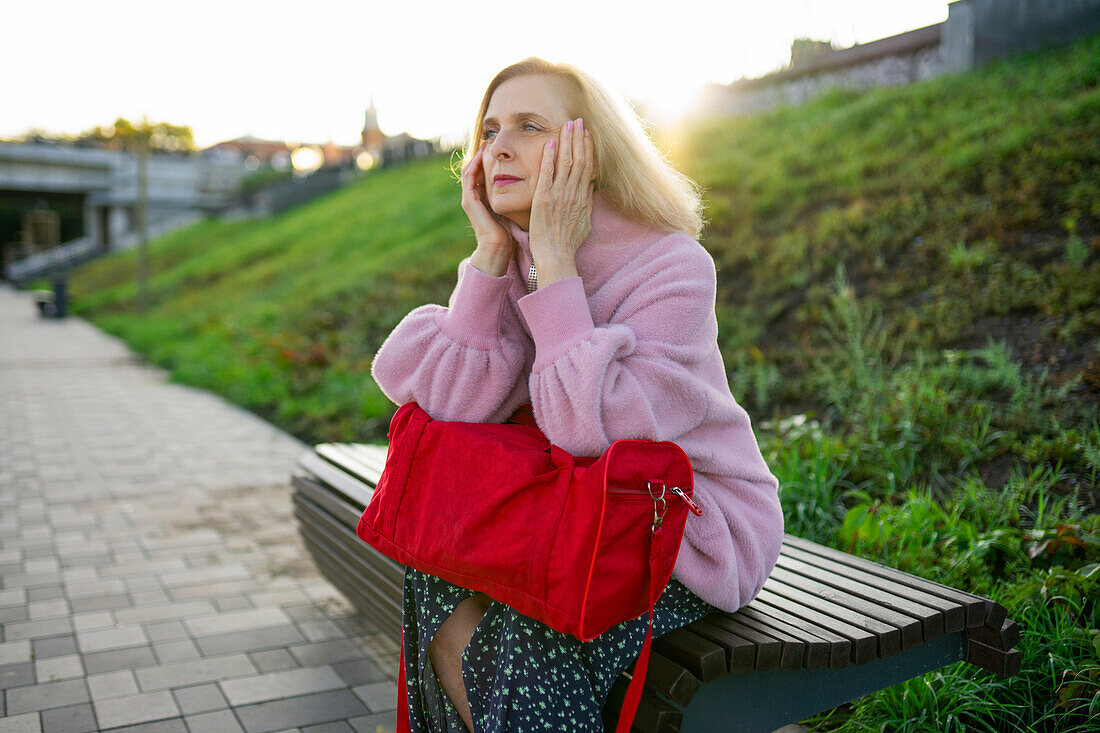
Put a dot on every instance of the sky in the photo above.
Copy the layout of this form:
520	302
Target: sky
306	71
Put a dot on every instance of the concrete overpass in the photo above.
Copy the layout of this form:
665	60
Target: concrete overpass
180	189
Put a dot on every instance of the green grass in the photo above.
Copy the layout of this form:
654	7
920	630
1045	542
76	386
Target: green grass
909	307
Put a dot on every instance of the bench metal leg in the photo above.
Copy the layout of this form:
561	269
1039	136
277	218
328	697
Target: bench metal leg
765	701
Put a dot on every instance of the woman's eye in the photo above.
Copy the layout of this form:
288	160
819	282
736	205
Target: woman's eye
531	126
488	134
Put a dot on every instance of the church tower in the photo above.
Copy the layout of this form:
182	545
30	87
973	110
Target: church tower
372	133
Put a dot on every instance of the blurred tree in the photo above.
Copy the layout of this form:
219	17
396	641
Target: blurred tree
163	137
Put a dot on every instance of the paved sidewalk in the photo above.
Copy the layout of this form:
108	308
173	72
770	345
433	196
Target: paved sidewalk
151	575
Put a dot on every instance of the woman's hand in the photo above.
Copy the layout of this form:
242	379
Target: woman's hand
561	212
495	245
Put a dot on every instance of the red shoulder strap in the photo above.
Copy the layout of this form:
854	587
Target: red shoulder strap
403	725
637	678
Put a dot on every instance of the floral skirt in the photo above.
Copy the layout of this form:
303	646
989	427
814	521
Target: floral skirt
520	674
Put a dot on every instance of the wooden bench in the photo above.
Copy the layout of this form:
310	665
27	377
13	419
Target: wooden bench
827	628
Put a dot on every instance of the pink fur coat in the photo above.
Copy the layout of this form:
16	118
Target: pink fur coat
627	350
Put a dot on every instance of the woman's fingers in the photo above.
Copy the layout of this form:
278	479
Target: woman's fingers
469	170
589	157
565	154
546	172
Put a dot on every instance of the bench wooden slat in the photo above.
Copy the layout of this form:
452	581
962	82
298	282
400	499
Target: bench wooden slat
930	620
671	680
343	577
952	614
704	659
355	491
792	651
816	651
1004	638
978	609
908	626
740	653
380	570
343	531
654	715
333	503
850	644
339	455
768	649
887	637
373	456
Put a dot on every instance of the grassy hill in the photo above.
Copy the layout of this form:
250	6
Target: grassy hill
909	307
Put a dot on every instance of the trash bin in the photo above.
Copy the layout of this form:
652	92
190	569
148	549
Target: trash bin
53	303
60	296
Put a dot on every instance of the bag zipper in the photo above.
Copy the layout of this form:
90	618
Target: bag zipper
695	508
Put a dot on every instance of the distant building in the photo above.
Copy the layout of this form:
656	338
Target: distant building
255	152
387	150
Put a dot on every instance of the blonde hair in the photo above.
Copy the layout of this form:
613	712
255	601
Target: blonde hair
632	176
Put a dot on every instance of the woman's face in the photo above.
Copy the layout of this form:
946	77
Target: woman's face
522	115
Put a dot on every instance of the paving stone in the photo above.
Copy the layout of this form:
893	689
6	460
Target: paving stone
34	629
181	674
12	596
200	699
338	726
326	652
46	695
164	611
276	636
273	660
101	603
322	630
42	564
167	631
17	675
54	646
222	721
91	620
131	658
170	725
380	697
58	668
45	592
380	723
213	590
359	672
12	652
112	684
114	638
322	707
26	723
176	651
235	621
236	603
275	685
48	609
142	708
69	719
13	613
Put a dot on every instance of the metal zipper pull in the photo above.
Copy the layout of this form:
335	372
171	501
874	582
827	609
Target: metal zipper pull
687	500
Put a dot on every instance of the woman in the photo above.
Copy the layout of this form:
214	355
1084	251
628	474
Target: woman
587	296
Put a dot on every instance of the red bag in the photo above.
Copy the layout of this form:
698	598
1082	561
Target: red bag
580	544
